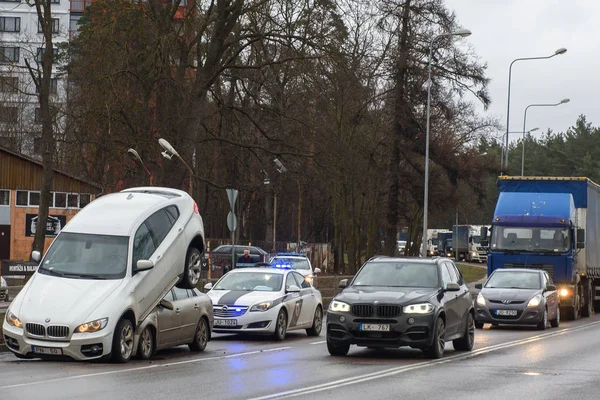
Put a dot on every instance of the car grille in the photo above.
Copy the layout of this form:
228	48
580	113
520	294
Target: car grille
388	311
36	329
362	310
230	311
549	268
382	310
58	331
509	301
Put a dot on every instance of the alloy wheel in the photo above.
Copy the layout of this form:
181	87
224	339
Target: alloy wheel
146	343
194	268
126	341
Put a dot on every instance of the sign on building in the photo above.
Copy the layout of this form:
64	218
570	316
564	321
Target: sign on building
18	269
53	226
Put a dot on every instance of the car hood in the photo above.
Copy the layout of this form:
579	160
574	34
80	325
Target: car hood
509	294
62	300
240	297
394	295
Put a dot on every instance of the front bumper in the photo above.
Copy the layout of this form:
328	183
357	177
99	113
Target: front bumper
249	322
525	315
414	330
18	342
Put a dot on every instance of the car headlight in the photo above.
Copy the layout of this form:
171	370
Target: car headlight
475	253
481	300
424	308
13	320
563	292
535	301
338	306
309	278
264	306
92	326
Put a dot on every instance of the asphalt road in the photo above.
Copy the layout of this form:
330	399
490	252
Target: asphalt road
515	363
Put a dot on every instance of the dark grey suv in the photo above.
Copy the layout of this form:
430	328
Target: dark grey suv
393	302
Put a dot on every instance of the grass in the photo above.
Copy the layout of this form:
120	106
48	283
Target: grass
472	273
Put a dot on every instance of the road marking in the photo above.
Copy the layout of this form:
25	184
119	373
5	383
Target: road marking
146	367
398	370
320	342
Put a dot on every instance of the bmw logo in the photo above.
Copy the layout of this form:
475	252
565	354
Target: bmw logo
47	320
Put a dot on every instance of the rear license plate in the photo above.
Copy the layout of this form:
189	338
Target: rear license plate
47	350
225	322
509	313
374	327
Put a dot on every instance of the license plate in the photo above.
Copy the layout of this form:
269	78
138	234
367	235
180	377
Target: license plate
47	350
509	313
374	327
225	322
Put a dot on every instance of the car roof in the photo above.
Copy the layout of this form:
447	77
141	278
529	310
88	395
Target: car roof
420	260
539	271
116	213
239	246
279	271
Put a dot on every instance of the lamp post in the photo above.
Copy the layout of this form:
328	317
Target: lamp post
281	169
134	154
169	153
563	101
504	134
560	51
462	33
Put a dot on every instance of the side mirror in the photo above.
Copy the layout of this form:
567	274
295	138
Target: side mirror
166	304
144	265
293	289
580	238
208	286
452	287
343	284
550	288
36	256
317	271
478	286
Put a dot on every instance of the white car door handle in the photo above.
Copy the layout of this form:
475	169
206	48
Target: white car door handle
177	310
180	230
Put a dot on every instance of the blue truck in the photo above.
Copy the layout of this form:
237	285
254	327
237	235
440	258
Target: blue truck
551	224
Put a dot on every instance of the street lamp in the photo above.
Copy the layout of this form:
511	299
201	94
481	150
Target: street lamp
282	170
134	154
462	33
502	139
563	101
169	153
560	51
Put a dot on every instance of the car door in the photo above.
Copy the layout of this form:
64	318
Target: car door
309	301
185	306
450	301
169	324
551	296
464	299
293	302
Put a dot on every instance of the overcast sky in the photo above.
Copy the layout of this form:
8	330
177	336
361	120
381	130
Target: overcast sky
507	29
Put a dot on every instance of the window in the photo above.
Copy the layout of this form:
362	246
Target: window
55	25
460	281
9	114
34	198
73	200
445	275
4	197
143	245
302	283
53	88
10	24
191	293
290	281
159	225
173	213
60	200
452	272
42	50
22	198
84	200
9	54
9	84
169	296
180	294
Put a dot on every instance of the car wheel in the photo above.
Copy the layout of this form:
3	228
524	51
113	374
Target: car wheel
315	329
338	349
544	322
556	321
200	336
280	326
122	346
465	343
437	347
192	270
147	344
479	325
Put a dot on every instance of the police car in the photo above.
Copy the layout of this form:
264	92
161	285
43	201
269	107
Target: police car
265	300
296	261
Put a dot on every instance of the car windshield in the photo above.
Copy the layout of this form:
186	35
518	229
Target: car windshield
294	263
76	255
397	274
251	281
530	239
514	280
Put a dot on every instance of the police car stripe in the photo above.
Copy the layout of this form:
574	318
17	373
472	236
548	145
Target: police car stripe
297	308
231	297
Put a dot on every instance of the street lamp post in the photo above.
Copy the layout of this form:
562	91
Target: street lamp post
562	50
563	101
134	154
459	32
504	134
169	153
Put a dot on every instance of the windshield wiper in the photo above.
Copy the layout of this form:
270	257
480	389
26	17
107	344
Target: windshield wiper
52	272
85	276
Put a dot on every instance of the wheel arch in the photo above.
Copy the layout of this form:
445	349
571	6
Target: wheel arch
198	243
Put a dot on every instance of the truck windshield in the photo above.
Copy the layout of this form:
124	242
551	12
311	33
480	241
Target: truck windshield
530	239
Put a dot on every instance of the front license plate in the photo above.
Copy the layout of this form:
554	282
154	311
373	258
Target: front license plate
509	313
374	327
225	322
47	350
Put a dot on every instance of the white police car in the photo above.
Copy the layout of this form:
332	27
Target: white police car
265	301
296	261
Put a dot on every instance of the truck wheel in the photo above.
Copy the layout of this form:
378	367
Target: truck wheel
587	310
192	269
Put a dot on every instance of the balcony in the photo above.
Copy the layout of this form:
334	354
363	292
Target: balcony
80	5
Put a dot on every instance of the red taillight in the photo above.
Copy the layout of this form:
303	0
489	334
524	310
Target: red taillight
196	208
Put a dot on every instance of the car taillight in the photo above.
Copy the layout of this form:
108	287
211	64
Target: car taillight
196	208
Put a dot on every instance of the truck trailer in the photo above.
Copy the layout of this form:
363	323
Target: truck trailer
552	224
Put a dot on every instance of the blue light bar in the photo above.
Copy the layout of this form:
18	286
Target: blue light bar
283	266
291	254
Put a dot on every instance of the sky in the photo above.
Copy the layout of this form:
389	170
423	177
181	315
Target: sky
503	30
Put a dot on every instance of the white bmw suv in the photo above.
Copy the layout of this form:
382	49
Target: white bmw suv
104	274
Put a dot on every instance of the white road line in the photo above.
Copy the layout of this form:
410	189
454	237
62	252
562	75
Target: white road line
320	342
398	370
153	366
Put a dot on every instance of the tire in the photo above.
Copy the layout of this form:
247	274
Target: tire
587	310
556	321
338	350
466	342
315	329
478	325
122	344
200	336
192	270
147	344
280	326
437	347
544	322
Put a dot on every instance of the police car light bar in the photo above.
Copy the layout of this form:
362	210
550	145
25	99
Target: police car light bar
291	254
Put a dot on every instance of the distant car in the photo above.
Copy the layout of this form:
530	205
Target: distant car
265	300
402	301
220	257
184	316
104	274
296	261
518	297
4	296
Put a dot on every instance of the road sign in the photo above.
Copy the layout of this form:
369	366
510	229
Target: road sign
232	196
231	221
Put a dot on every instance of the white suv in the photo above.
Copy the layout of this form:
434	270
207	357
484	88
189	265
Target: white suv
104	273
296	261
